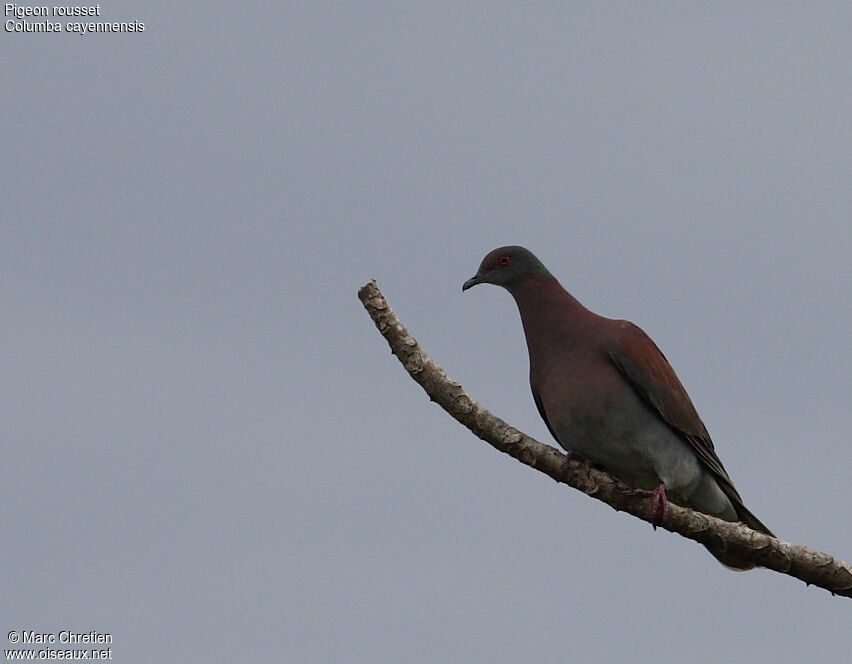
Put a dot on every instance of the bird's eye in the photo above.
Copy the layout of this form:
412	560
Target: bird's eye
504	261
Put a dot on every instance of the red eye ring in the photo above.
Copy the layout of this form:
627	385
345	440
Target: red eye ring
503	261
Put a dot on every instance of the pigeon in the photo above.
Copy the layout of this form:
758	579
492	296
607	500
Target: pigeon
609	396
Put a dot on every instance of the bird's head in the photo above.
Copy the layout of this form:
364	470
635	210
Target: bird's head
507	267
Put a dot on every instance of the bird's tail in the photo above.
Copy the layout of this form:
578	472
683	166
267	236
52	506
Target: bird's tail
751	520
731	561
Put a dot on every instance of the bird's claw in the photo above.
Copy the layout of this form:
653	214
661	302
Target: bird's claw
659	505
571	456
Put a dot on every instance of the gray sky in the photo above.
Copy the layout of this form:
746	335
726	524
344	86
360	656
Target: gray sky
210	452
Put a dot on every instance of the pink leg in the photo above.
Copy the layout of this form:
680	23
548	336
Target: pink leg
659	505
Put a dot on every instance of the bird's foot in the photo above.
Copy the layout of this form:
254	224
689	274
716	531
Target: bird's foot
659	505
571	456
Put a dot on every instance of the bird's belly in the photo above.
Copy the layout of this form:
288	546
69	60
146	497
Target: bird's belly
635	445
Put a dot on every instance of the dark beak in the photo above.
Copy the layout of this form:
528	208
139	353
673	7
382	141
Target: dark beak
475	279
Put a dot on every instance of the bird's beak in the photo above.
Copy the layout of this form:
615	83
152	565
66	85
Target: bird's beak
475	279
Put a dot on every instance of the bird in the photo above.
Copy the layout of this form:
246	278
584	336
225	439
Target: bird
608	396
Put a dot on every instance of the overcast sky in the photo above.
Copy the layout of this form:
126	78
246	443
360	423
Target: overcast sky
210	453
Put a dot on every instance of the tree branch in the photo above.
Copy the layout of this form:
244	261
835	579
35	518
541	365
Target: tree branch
731	540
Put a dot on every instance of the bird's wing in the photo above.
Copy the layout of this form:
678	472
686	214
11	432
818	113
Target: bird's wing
645	367
540	405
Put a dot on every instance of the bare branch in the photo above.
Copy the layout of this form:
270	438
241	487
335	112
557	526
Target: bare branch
733	541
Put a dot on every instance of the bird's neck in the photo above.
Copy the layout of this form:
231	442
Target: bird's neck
551	316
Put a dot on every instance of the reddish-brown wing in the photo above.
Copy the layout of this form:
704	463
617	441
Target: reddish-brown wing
647	370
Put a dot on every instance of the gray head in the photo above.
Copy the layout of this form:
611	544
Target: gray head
507	267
